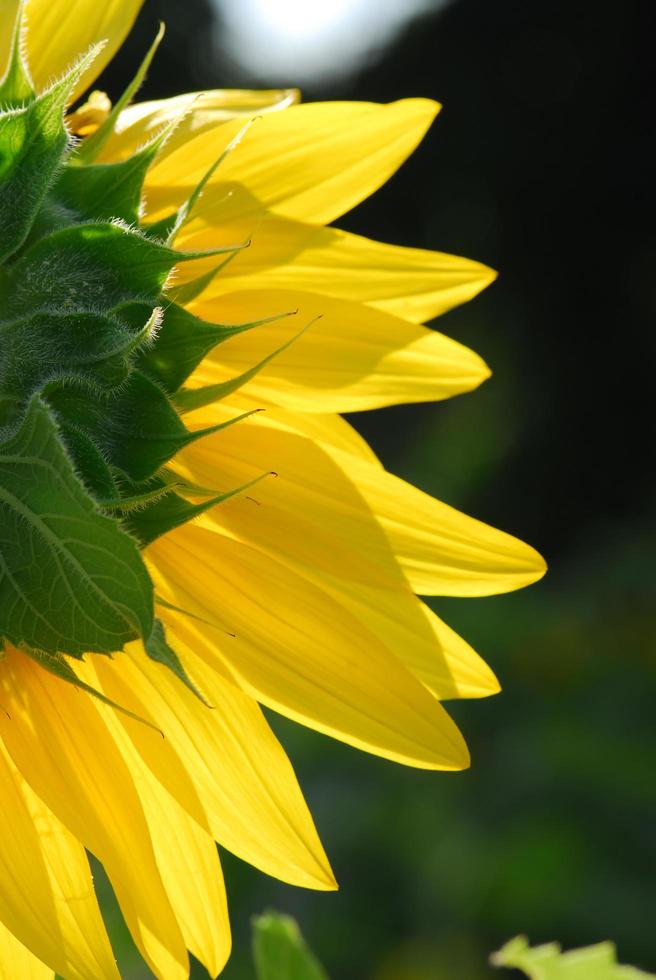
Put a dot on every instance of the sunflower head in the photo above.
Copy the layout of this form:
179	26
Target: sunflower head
140	340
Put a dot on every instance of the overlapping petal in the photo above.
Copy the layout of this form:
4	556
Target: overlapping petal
195	112
354	148
47	898
351	358
296	650
185	852
440	550
313	518
222	764
413	283
58	740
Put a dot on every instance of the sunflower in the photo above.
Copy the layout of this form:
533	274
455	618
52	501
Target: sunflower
188	528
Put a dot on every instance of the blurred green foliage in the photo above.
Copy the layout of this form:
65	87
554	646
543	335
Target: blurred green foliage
548	962
280	952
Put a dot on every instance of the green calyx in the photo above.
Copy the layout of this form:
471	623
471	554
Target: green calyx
94	355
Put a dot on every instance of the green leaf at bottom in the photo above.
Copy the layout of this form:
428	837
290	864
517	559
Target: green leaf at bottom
548	962
71	580
280	952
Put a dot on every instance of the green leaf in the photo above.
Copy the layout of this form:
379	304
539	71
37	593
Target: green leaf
280	952
71	580
33	142
158	649
548	962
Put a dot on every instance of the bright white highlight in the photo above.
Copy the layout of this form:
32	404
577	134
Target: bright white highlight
295	41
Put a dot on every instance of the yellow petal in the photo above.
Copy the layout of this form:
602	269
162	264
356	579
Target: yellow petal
312	162
17	962
185	851
409	282
296	650
223	764
197	112
442	551
310	514
313	519
58	741
58	33
353	358
47	898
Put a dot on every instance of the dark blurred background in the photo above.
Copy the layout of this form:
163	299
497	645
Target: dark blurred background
539	166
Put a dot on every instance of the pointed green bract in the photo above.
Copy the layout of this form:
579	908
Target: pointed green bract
94	352
57	664
191	398
158	649
92	146
168	509
108	190
33	141
183	341
16	87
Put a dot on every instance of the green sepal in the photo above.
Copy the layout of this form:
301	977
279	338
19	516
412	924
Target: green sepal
158	649
186	292
89	463
106	191
85	268
16	87
33	142
191	398
57	664
71	580
120	507
89	149
98	348
183	341
137	427
169	510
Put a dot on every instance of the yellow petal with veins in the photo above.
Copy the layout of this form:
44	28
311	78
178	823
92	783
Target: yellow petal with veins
222	764
413	283
60	744
314	519
296	650
312	162
185	851
59	33
47	897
